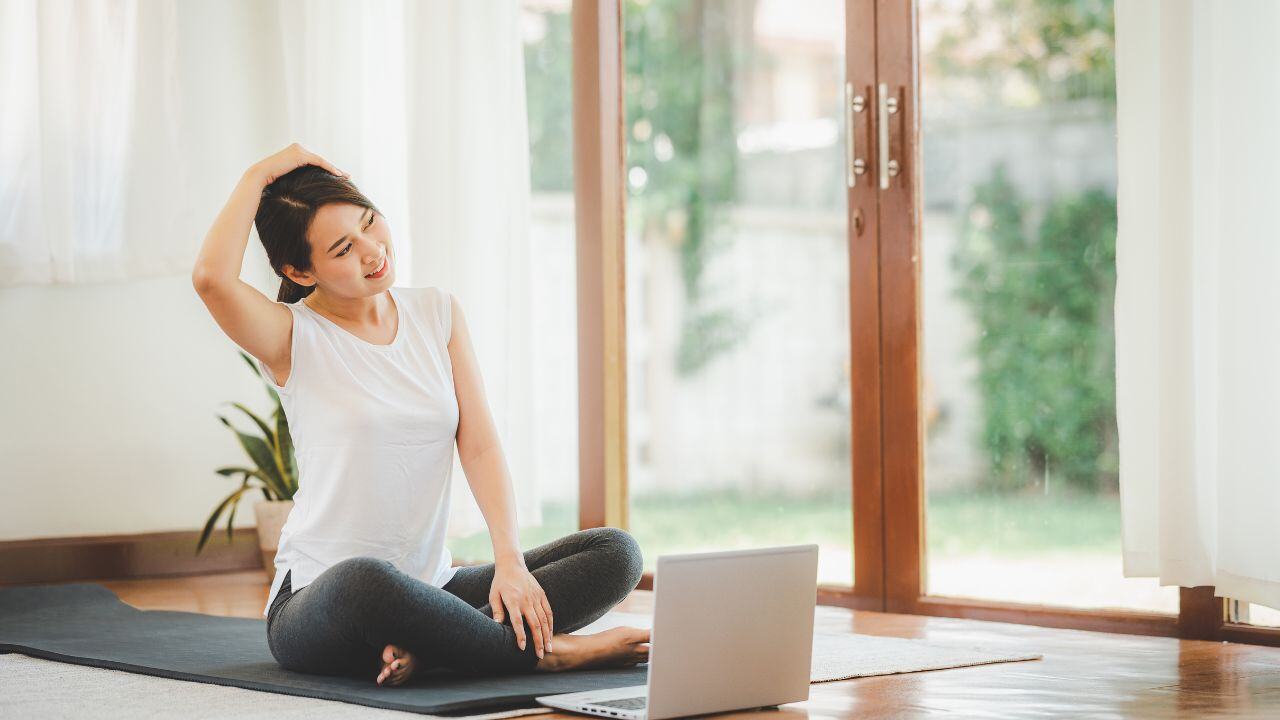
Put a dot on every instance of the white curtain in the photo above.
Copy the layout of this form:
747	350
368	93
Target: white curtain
1198	293
468	165
91	185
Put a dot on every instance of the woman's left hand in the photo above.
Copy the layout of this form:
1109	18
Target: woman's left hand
515	589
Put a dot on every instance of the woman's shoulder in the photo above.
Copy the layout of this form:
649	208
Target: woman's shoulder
428	295
433	302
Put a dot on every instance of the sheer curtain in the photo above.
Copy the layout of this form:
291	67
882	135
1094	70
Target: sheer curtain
423	103
1198	293
91	186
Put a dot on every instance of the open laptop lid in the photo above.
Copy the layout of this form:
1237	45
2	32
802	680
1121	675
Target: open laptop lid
736	629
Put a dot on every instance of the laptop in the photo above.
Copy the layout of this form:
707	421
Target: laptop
732	630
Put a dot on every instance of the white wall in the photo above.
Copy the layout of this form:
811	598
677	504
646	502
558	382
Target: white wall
108	393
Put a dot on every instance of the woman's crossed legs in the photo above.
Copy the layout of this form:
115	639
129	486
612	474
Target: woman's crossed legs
342	621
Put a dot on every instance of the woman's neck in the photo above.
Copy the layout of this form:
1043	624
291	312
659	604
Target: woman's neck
373	310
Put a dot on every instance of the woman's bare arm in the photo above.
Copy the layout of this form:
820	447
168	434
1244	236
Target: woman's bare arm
479	448
261	327
252	321
222	253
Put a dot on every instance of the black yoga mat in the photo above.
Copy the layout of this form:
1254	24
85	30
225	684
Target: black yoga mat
87	624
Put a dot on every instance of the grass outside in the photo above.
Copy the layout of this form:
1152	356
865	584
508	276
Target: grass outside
959	524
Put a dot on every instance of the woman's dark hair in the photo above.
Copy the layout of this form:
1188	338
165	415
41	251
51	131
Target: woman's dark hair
285	212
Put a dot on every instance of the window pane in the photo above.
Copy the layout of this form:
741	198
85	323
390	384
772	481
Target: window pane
737	278
1019	223
1254	614
548	85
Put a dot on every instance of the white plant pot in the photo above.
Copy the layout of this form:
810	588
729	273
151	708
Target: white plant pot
271	515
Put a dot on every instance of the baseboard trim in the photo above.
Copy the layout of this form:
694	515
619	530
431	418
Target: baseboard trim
126	557
130	557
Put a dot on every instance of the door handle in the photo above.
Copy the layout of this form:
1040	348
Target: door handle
889	166
853	105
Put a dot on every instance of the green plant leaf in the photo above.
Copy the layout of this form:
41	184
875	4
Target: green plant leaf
213	519
271	390
265	484
267	432
290	465
252	365
273	442
232	517
273	454
261	455
270	490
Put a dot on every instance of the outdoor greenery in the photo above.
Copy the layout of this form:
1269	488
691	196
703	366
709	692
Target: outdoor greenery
960	523
681	150
1038	279
549	92
1046	348
1030	52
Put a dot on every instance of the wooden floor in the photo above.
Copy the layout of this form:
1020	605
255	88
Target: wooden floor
1083	674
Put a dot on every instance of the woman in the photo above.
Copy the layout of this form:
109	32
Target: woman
377	383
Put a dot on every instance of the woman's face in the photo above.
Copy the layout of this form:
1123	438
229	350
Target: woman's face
348	242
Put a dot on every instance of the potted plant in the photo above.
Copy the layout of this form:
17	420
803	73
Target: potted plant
274	471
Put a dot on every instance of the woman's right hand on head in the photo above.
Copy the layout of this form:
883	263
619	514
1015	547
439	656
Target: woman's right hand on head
291	158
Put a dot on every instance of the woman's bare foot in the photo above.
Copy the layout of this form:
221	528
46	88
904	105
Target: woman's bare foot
397	665
616	647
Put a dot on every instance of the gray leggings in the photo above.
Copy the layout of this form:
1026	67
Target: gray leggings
340	622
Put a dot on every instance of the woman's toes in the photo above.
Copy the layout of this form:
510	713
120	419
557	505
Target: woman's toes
398	676
395	664
398	669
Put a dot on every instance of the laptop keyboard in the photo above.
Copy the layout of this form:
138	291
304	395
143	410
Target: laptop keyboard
632	703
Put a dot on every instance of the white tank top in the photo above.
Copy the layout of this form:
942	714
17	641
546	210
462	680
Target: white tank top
373	428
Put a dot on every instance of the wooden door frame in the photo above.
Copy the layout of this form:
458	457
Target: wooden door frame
1202	616
599	218
863	231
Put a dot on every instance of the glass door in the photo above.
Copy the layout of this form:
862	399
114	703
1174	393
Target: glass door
740	401
1018	263
999	285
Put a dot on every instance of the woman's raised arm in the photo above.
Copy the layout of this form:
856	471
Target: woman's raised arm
261	327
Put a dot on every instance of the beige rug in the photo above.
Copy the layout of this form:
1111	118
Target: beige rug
846	655
37	688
